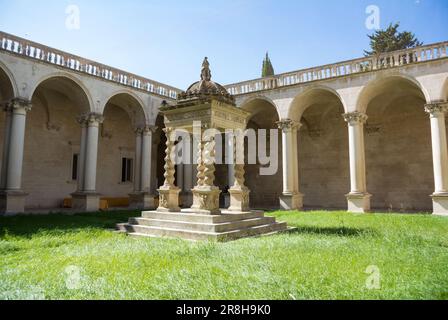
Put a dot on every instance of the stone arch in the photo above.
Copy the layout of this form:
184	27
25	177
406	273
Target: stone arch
8	86
123	114
397	144
131	103
322	147
68	84
265	190
53	139
371	89
249	104
305	99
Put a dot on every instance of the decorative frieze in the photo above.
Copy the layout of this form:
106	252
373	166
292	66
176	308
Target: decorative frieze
355	117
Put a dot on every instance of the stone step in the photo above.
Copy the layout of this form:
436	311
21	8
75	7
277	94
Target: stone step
151	231
204	227
202	218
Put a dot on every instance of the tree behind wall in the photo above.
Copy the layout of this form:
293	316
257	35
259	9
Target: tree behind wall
391	39
268	69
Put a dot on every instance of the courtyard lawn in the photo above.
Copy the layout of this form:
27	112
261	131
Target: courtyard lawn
79	257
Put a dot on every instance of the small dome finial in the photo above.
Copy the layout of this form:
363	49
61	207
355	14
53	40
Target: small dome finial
206	75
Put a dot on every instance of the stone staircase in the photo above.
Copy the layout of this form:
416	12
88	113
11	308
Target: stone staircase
191	226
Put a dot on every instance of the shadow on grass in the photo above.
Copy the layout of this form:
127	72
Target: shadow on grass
333	231
28	225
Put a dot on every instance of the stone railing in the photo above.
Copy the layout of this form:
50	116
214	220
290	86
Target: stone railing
367	64
33	50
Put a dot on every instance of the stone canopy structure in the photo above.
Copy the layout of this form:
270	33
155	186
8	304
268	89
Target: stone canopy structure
207	108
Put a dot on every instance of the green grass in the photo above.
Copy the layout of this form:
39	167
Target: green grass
325	258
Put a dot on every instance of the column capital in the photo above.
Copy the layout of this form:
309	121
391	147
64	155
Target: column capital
147	129
436	108
288	124
355	117
18	105
90	119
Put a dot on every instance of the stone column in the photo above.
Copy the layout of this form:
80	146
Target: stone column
12	198
230	156
142	197
82	153
440	156
206	194
291	198
358	199
169	193
239	193
138	160
88	198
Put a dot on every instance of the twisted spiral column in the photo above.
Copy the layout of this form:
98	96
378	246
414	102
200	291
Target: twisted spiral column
209	162
169	156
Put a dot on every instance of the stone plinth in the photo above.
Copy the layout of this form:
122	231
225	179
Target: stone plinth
84	201
440	204
205	200
239	199
169	199
358	203
12	202
292	201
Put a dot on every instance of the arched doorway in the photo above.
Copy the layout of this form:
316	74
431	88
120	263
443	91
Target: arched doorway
322	148
398	145
52	142
265	189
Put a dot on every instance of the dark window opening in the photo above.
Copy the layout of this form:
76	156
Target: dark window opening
126	169
75	166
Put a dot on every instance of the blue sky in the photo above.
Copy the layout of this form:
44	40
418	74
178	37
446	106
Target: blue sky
166	40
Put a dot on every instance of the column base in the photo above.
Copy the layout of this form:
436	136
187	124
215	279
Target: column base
85	201
12	202
142	201
206	200
358	202
440	203
239	199
292	201
168	199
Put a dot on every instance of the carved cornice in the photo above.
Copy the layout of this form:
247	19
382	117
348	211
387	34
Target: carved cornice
436	108
355	117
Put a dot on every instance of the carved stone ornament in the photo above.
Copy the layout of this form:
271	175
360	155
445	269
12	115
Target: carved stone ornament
355	117
436	108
